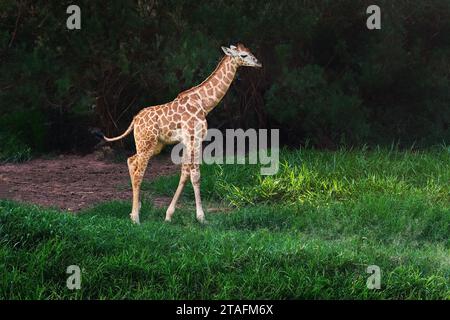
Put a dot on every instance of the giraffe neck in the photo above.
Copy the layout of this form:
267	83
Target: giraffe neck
214	88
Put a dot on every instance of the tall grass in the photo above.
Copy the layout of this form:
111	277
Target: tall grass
320	176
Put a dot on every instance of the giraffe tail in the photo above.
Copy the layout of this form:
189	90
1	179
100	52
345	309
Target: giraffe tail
127	132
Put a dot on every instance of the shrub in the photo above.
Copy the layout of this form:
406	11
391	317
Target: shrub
12	149
305	104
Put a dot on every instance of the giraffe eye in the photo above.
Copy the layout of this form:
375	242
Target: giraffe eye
244	55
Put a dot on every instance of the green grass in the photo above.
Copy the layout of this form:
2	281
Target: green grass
308	232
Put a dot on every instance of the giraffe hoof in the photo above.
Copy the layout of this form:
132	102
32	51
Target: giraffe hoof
134	219
167	220
202	220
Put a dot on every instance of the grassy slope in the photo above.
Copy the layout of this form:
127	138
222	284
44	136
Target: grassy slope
308	232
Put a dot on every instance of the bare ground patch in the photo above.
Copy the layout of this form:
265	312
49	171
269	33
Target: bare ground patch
72	182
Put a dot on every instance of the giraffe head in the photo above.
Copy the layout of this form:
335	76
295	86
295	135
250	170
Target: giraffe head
242	56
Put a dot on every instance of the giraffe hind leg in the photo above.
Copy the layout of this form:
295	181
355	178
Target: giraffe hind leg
136	180
132	166
137	166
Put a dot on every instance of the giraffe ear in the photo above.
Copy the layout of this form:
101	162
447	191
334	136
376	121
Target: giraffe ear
227	51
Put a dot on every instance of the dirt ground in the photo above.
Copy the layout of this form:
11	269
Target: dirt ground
75	182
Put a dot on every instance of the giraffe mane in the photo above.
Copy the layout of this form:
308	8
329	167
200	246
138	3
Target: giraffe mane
222	61
241	47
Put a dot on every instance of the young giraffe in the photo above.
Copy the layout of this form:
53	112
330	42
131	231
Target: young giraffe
181	121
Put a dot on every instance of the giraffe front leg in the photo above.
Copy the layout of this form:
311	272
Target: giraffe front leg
195	180
185	171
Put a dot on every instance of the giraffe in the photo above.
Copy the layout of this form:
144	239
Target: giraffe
182	120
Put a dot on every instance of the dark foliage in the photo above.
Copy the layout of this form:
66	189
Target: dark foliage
326	79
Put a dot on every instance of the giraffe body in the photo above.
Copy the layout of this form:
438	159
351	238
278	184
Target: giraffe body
181	120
